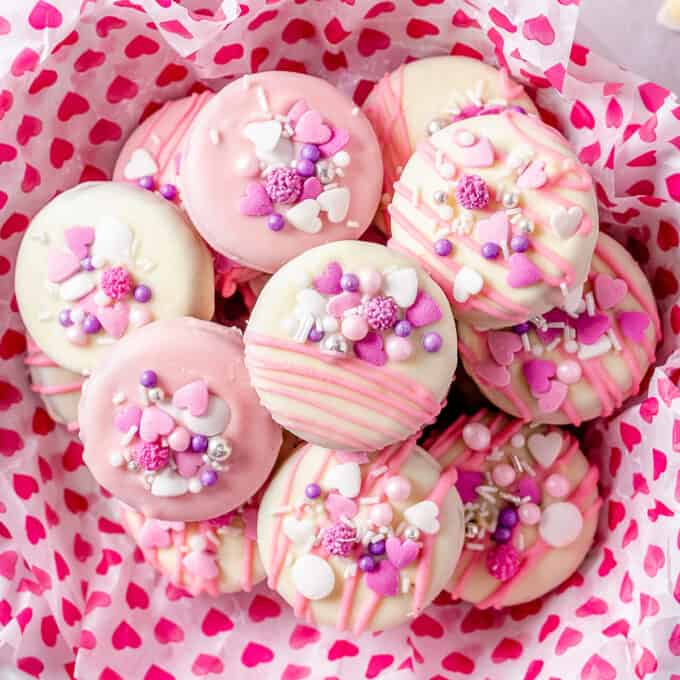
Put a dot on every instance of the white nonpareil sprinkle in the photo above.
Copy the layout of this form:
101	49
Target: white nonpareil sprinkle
215	136
352	224
520	540
553	344
517	463
246	81
611	334
118	398
513	211
355	110
537	350
526	343
262	98
283	510
405	584
511	498
474	546
590	304
378	471
41	237
128	436
496	454
349	571
529	468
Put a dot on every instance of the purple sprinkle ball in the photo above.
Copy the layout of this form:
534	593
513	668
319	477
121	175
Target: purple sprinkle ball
148	379
519	243
502	534
91	324
283	185
367	563
381	312
472	192
168	191
443	247
403	328
339	539
305	168
508	517
146	182
315	335
152	456
275	222
310	152
349	283
432	342
199	443
517	109
312	491
86	264
142	293
65	318
491	250
521	328
377	548
208	477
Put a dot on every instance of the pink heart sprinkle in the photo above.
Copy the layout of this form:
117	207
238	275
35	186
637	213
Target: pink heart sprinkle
423	311
401	554
78	239
310	189
154	535
114	319
467	483
296	111
154	423
341	303
338	141
311	129
384	580
127	418
256	202
533	177
553	398
494	229
188	463
201	564
503	345
609	291
329	282
193	396
553	316
528	486
371	349
538	373
337	506
633	325
492	374
60	265
589	329
480	154
523	272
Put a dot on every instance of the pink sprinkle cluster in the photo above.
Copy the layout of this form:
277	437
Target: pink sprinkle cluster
381	312
339	539
503	561
152	456
116	282
283	185
472	192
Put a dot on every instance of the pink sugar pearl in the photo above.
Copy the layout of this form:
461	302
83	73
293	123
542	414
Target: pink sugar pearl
179	439
503	561
398	349
370	280
247	166
139	316
529	514
354	327
503	474
557	485
116	282
569	372
476	436
76	335
398	488
381	514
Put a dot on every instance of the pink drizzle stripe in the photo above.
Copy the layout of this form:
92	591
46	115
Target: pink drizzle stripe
48	390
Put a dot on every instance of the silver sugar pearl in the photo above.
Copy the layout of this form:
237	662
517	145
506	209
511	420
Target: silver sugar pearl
471	531
325	172
436	124
440	196
525	225
132	465
218	449
411	533
510	199
335	344
156	394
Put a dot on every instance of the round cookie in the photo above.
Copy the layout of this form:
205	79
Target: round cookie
351	346
214	556
101	260
171	425
152	155
531	507
58	387
502	215
569	368
423	96
359	542
278	163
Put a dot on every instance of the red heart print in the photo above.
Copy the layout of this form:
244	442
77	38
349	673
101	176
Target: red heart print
371	41
10	442
630	434
581	117
655	559
24	486
89	59
125	636
653	96
426	626
87	640
60	564
46	78
172	73
378	662
73	457
31	179
302	636
167	631
293	672
136	597
71	105
458	663
106	24
121	88
539	29
105	131
506	649
140	46
262	608
70	612
593	606
228	53
110	558
35	531
341	649
215	622
7	155
660	462
26	60
43	15
205	664
9	395
568	639
8	563
255	654
617	512
49	631
97	598
75	502
296	30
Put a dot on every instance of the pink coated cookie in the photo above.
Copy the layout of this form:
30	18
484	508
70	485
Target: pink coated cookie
152	155
213	556
357	541
531	506
572	367
58	387
351	346
101	260
278	163
424	96
171	425
500	212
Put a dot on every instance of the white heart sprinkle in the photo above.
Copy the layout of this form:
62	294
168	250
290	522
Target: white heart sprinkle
573	300
342	159
281	155
423	516
77	286
264	134
112	241
305	216
346	478
545	447
468	282
335	202
213	422
402	286
168	484
141	164
310	303
566	222
561	524
300	531
602	346
313	577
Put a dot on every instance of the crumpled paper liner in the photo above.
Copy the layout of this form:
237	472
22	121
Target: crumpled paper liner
76	598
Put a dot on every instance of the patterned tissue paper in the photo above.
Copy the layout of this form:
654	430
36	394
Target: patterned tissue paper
76	598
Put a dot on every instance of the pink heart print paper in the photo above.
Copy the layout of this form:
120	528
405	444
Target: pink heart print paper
76	598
